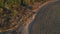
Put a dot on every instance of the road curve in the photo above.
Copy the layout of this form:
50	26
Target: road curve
47	20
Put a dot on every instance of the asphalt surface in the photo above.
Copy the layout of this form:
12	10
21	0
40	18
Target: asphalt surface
47	20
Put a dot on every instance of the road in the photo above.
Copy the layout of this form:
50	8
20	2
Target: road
47	20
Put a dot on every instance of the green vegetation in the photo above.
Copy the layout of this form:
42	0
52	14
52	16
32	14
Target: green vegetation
8	4
1	3
17	2
11	11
